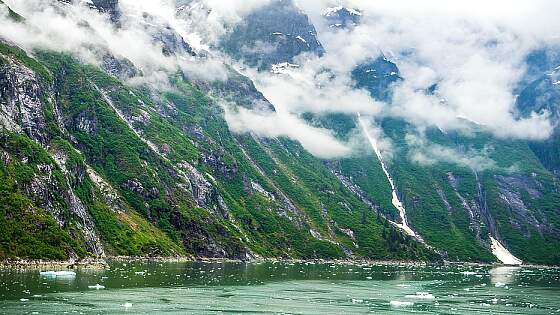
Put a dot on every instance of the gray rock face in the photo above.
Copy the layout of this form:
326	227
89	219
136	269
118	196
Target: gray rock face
273	34
163	34
23	101
110	7
377	76
21	98
512	190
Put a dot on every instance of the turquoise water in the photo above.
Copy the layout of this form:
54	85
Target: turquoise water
282	288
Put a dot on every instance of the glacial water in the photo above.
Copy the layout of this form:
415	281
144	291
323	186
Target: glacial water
281	288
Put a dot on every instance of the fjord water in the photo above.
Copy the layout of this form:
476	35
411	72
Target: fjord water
282	288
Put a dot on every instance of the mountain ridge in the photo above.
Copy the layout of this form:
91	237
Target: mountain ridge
105	168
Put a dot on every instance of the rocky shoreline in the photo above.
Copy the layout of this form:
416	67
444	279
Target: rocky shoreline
103	263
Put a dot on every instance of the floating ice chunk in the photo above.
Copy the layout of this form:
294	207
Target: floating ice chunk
24	300
96	287
500	285
58	274
127	305
139	273
421	295
468	273
356	301
400	304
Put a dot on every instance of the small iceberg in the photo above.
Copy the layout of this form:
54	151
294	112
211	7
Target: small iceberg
58	274
421	295
96	287
400	304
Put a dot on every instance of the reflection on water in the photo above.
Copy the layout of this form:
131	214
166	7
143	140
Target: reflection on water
503	274
297	288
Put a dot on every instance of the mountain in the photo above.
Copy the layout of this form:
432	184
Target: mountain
272	34
95	167
95	164
341	17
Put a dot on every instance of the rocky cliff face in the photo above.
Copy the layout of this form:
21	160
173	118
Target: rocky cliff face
273	34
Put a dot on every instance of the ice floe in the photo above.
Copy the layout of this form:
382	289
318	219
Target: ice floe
401	303
58	274
96	287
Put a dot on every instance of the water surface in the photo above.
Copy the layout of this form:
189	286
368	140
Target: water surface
282	288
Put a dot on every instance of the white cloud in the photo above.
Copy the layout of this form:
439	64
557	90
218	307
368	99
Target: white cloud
88	35
474	51
319	142
425	153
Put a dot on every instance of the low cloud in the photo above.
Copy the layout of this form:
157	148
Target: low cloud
425	153
474	51
89	35
319	142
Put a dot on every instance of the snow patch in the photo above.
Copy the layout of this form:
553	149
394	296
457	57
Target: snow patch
502	254
334	10
283	68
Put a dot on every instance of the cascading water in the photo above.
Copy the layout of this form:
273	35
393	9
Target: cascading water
395	198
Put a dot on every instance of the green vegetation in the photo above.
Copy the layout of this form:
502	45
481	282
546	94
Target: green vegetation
268	197
27	231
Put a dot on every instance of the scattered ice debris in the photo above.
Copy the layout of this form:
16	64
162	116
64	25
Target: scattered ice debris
421	295
468	273
400	304
356	301
96	287
139	273
502	254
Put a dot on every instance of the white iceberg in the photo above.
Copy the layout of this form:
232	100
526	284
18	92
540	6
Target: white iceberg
58	274
96	287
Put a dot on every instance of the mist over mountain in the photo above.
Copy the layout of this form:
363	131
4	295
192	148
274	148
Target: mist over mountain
280	128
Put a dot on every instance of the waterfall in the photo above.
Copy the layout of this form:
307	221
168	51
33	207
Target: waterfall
394	198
